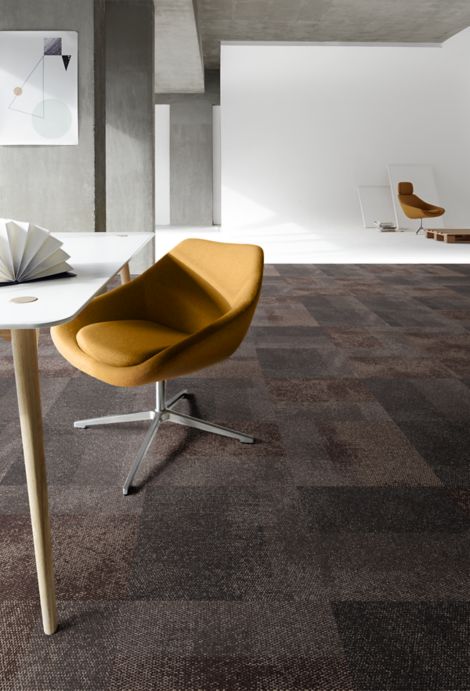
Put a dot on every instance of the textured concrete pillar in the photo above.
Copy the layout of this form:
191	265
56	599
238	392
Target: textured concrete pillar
191	153
191	163
130	162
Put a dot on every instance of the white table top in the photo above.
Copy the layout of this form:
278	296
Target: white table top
94	257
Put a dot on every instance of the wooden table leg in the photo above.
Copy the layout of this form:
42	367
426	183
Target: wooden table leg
6	334
25	356
125	274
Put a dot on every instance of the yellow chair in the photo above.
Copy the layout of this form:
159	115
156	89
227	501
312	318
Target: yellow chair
188	311
414	207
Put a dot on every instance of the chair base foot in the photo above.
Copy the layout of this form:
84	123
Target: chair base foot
114	419
157	416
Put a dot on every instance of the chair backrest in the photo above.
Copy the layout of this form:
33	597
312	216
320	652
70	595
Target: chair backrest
405	188
412	205
199	281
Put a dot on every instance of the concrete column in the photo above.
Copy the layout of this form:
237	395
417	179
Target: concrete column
130	161
191	163
191	153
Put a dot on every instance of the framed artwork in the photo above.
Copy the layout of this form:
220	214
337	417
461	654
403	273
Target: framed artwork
38	88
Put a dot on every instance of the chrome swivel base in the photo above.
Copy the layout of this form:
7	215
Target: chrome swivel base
163	413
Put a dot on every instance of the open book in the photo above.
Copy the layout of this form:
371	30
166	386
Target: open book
30	253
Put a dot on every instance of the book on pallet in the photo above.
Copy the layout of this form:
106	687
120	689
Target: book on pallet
30	253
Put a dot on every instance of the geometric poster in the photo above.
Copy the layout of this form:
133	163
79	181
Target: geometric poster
38	88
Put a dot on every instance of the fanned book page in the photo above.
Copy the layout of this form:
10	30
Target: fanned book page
30	253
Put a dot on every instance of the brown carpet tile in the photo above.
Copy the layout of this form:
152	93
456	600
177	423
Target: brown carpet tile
332	554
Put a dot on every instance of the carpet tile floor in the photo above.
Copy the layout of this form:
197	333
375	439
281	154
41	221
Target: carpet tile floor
332	554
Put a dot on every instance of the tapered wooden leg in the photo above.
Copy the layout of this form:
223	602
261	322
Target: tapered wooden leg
6	334
25	356
125	274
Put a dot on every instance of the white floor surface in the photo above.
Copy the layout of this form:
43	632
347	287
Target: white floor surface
292	244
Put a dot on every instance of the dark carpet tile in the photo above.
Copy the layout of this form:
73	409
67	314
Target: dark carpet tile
341	311
18	619
462	288
460	317
341	411
299	363
79	657
361	453
243	674
299	271
447	344
338	271
214	471
354	338
297	337
401	646
392	367
379	509
92	553
445	446
377	342
312	285
450	301
212	544
283	312
73	499
74	456
235	400
403	400
319	390
378	453
235	367
462	498
331	554
396	566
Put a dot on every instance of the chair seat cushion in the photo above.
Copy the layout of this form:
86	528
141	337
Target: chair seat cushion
126	343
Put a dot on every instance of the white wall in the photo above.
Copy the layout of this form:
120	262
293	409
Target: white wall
216	167
303	126
162	165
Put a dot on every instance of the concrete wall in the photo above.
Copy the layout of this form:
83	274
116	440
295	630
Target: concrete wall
191	153
162	165
54	185
130	163
179	66
303	126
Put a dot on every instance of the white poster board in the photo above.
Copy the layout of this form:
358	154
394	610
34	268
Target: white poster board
424	186
38	88
376	204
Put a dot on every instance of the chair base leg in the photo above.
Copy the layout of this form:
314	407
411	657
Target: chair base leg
149	437
177	397
196	423
157	416
114	419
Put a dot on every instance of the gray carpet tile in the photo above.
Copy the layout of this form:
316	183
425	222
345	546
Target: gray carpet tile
334	553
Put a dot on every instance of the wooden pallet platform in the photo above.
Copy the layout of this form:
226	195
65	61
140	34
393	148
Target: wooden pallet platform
447	235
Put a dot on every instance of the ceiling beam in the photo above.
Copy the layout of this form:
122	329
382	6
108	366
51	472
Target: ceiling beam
179	65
